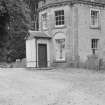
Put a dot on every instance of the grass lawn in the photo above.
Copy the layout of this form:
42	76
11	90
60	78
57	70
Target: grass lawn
52	87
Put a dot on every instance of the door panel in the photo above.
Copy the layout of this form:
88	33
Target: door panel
42	55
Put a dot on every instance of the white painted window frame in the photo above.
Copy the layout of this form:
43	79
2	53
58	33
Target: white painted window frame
96	25
60	37
62	25
43	26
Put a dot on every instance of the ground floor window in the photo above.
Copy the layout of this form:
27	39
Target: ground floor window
94	45
60	49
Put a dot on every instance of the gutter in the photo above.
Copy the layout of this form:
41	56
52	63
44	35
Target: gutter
72	2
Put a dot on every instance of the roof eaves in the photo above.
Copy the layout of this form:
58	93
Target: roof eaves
71	2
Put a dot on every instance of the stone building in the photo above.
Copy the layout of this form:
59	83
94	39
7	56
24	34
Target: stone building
75	30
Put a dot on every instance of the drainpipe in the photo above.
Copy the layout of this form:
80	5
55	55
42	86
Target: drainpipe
36	53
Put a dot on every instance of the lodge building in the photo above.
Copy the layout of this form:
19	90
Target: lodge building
70	31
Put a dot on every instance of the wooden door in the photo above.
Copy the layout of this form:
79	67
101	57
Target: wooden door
42	55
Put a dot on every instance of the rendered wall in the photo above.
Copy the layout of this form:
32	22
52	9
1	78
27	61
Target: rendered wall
30	53
77	31
53	30
86	33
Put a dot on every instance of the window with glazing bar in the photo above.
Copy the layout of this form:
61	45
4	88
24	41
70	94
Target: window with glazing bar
59	17
95	18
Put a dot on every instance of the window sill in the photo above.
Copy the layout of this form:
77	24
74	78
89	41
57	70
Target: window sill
94	49
60	61
95	27
45	29
60	26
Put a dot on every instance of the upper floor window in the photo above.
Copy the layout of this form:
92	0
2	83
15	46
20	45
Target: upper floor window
95	18
59	17
44	21
43	2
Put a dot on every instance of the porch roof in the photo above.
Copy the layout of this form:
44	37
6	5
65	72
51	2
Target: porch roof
38	34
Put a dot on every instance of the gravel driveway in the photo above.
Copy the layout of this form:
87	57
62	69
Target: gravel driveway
52	87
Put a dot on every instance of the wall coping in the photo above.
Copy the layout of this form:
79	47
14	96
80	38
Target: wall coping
72	2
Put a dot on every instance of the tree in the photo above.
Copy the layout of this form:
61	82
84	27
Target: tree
33	5
17	16
4	19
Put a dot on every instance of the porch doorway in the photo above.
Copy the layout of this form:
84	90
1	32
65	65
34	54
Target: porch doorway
42	55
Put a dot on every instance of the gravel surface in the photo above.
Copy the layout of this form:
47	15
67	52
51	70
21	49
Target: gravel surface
51	87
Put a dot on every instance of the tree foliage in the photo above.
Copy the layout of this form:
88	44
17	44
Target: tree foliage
14	24
33	5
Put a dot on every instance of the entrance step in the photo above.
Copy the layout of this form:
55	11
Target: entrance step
46	68
60	65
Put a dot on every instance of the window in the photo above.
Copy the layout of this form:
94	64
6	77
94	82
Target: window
95	18
94	45
60	49
44	21
59	17
43	2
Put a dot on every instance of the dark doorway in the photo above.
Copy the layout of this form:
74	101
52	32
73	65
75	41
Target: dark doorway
42	55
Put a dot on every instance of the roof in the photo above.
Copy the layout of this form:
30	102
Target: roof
98	1
51	3
38	34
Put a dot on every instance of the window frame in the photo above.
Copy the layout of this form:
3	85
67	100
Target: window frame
60	37
61	43
97	25
95	45
61	17
44	21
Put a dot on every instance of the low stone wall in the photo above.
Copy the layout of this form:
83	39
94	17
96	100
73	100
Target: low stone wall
19	63
93	62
